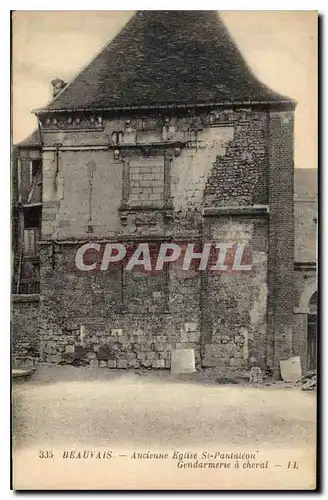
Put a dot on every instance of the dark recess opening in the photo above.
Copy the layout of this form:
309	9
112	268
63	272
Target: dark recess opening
36	167
32	217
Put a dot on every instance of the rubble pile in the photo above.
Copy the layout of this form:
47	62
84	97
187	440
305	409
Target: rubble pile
309	381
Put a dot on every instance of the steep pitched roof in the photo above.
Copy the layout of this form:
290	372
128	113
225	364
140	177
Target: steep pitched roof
166	57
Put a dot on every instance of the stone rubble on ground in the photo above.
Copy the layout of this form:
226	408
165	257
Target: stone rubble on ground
309	381
255	375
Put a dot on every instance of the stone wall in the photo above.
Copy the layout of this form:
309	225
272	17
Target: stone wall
305	285
306	216
300	338
86	319
95	180
240	176
146	182
155	185
281	237
161	161
235	302
101	319
25	331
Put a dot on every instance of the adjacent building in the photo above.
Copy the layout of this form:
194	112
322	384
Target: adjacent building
305	275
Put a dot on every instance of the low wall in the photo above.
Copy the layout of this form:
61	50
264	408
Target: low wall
25	331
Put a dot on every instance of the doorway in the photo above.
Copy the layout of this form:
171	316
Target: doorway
312	333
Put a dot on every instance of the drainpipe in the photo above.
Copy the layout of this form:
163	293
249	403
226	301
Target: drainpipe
58	146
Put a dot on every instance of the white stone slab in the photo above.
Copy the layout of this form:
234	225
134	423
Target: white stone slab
290	369
183	361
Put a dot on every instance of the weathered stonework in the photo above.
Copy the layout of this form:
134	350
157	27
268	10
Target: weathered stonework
146	182
239	177
154	185
165	137
81	323
281	237
173	173
25	338
305	287
234	303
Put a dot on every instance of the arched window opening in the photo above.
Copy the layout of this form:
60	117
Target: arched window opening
313	303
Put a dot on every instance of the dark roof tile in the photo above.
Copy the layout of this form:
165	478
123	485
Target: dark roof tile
33	140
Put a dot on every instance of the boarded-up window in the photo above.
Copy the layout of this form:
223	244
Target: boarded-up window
146	180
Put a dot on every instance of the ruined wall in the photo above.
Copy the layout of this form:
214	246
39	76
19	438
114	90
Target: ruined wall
86	318
161	161
235	302
155	184
25	331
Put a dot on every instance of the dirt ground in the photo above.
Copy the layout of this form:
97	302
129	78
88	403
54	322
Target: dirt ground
63	409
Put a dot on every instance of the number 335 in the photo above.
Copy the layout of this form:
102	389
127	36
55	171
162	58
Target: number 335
46	454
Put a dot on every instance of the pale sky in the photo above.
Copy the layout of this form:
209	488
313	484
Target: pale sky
279	46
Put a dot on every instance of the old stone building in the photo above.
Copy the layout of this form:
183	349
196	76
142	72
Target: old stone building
166	136
26	234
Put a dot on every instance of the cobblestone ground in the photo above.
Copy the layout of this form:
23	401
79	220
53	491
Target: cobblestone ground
66	408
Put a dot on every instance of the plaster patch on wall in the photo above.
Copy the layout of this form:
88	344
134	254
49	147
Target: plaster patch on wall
234	231
214	137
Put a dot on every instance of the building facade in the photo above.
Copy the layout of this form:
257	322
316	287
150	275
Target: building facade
26	234
306	284
165	137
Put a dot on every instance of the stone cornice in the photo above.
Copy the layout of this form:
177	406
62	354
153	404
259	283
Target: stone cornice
123	238
242	211
283	105
305	266
33	297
